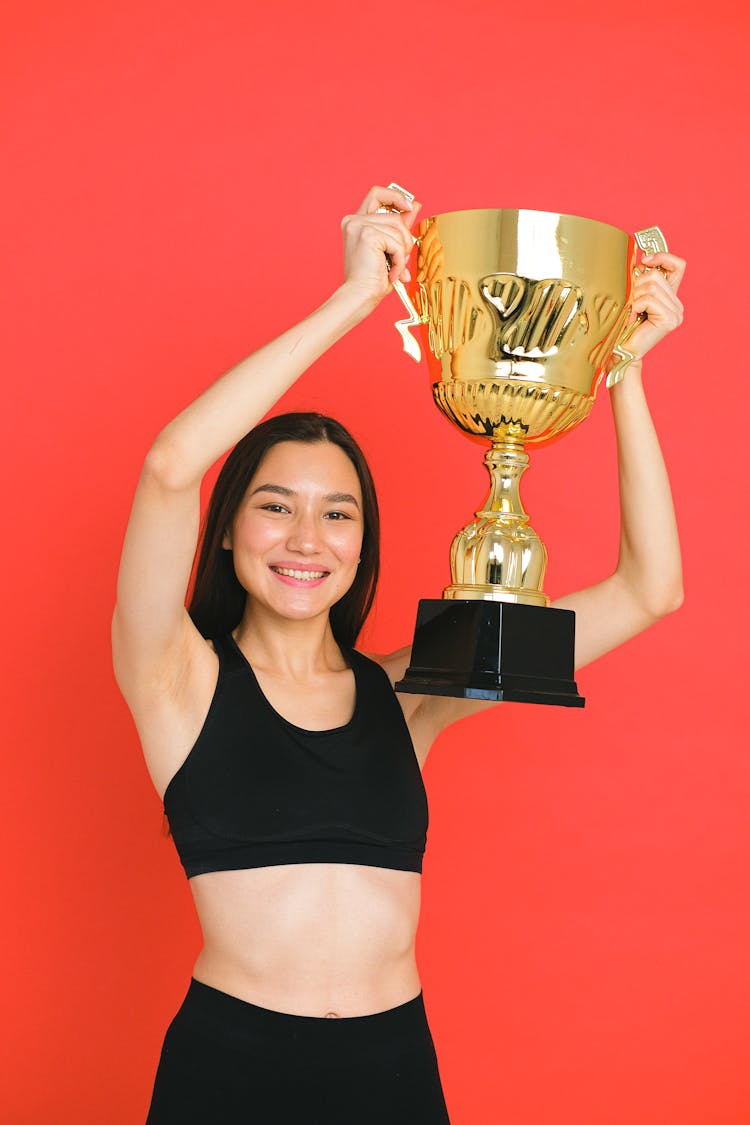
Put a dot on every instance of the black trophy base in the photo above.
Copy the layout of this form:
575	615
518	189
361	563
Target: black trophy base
493	650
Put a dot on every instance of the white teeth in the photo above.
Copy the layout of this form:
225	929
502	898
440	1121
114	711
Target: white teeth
301	575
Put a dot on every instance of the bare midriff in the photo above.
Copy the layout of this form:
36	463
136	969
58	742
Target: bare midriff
311	939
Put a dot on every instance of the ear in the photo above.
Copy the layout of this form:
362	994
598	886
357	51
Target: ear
226	541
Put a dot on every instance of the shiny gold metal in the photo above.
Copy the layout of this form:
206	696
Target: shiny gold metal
522	312
408	194
411	346
650	241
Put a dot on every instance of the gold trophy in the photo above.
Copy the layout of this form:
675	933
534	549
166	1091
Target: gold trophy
523	313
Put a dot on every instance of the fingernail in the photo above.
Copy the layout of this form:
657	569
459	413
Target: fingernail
647	257
407	275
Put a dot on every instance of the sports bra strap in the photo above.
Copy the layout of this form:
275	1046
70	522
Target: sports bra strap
230	657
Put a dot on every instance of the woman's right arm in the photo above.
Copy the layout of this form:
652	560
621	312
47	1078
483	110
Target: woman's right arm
155	644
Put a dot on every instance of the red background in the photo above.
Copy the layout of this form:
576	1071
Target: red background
175	177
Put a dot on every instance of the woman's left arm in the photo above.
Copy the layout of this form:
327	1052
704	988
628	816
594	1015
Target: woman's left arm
647	582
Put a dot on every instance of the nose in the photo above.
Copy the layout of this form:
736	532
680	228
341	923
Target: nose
304	534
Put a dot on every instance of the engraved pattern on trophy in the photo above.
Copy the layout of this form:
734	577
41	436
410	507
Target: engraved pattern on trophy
444	300
533	413
611	317
450	315
651	240
532	321
535	319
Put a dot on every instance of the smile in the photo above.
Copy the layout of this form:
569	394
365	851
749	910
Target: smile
300	575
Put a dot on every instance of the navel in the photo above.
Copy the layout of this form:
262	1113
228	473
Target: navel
332	1015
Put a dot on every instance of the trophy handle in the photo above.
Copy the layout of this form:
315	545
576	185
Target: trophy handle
411	346
651	241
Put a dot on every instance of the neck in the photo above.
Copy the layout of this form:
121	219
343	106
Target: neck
297	649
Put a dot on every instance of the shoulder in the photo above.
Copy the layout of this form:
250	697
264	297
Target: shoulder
170	710
394	664
426	715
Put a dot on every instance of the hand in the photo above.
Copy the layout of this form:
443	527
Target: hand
655	293
370	235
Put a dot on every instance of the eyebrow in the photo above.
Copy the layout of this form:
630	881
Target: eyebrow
331	498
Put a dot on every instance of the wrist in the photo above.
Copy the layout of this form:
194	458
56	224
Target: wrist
634	371
632	374
356	298
630	389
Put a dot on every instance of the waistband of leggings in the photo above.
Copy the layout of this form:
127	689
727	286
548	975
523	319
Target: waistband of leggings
232	1017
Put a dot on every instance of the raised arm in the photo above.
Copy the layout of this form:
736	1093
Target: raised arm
647	582
154	640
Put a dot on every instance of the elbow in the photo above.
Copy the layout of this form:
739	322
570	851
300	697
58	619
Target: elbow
166	468
671	605
654	589
677	599
664	601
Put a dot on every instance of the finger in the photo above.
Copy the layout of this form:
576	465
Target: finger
384	197
370	203
653	281
398	229
395	264
661	311
658	310
654	305
408	238
410	217
653	286
673	267
387	221
388	238
401	230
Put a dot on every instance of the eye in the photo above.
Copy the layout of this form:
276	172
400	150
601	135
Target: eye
274	508
337	516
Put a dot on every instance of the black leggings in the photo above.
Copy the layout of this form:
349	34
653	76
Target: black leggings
227	1062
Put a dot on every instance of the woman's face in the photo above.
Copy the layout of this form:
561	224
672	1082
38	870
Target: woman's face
297	535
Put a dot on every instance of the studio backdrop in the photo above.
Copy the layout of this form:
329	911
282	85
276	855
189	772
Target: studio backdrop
174	179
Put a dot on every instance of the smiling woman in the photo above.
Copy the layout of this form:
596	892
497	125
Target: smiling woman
309	542
295	443
289	768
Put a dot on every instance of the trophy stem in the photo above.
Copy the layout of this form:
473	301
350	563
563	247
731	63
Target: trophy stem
506	462
474	642
498	557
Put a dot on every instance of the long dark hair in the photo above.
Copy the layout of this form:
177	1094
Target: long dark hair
218	599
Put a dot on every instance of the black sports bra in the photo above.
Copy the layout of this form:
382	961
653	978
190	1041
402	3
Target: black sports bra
257	791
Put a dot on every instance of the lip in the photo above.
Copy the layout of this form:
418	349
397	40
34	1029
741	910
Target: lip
299	583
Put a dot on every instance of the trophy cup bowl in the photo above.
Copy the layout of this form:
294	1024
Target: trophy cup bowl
523	313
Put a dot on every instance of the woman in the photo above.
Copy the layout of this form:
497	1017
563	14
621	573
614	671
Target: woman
288	767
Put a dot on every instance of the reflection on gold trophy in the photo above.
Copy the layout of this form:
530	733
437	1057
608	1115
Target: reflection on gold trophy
523	314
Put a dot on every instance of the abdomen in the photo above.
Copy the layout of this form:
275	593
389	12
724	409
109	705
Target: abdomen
310	938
